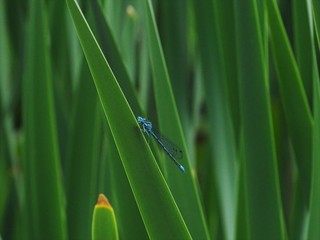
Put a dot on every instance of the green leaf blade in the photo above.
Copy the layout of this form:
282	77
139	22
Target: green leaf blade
265	215
181	185
314	218
104	224
44	196
297	110
153	197
316	18
223	144
83	156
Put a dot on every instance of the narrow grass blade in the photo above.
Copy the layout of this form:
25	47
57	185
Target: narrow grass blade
316	17
114	12
63	81
297	115
296	108
225	22
11	187
4	181
303	43
314	221
182	185
223	146
45	209
173	34
265	215
83	157
242	228
144	80
5	47
104	224
153	197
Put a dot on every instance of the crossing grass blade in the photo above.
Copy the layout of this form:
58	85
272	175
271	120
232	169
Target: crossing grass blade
128	215
153	197
181	185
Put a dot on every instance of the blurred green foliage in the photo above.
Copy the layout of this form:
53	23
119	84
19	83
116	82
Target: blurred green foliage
235	84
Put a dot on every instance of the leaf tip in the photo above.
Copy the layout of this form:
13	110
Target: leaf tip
103	201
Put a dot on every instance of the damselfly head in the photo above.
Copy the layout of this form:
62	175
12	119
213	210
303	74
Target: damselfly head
141	119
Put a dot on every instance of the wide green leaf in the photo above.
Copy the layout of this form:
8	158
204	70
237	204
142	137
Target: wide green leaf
128	215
